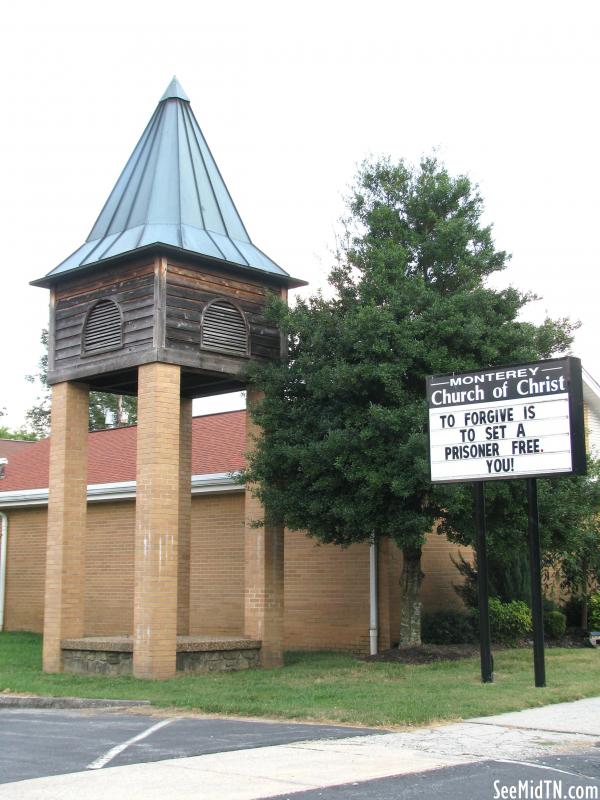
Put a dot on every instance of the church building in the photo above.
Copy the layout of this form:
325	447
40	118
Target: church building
135	549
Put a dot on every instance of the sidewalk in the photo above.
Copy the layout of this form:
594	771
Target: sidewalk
286	769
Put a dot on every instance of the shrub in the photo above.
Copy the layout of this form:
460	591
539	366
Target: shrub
447	627
572	609
595	612
509	622
549	605
508	579
555	624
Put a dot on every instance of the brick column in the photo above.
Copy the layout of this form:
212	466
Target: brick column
156	521
185	518
67	505
263	596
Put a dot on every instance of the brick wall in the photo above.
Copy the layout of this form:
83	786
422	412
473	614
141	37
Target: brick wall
109	568
441	575
217	564
109	573
25	569
327	591
326	595
326	588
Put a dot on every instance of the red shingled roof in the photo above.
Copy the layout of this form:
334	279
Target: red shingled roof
218	443
8	447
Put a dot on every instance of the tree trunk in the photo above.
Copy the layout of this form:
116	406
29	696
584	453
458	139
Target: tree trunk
584	595
410	585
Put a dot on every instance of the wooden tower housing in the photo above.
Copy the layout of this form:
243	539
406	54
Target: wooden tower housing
166	300
168	273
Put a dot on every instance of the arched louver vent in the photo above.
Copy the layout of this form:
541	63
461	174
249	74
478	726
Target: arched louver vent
224	329
103	328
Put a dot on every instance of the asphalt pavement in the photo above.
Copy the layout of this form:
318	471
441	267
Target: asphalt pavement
36	743
567	776
548	753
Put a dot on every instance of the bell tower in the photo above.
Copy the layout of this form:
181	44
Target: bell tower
165	299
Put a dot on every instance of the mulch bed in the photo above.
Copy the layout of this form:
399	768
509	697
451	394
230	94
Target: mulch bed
430	653
574	637
426	653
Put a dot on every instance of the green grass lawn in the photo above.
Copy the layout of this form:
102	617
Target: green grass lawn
328	686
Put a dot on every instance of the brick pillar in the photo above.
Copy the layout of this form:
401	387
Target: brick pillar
67	505
263	596
156	522
185	518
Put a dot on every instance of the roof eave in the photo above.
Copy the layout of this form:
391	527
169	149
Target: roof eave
207	483
591	390
50	280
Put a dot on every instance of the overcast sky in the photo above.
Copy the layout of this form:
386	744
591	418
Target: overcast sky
291	98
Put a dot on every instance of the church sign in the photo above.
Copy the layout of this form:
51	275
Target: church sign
520	421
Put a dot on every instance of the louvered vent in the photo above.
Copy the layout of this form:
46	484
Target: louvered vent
224	329
103	328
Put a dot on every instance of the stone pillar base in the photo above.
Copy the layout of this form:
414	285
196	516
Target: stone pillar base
112	655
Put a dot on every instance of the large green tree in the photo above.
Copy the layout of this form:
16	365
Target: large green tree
121	410
579	564
345	452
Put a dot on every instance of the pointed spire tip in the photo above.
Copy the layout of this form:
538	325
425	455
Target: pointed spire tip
174	91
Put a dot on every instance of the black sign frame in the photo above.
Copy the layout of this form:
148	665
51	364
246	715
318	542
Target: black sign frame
574	388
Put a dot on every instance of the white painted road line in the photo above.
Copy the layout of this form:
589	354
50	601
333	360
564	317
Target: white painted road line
544	767
114	751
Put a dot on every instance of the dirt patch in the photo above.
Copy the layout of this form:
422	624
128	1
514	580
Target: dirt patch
426	653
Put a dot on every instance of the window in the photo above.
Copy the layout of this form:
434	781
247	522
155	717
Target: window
224	328
103	329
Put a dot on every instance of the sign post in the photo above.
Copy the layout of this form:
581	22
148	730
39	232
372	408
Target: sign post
537	604
485	639
521	421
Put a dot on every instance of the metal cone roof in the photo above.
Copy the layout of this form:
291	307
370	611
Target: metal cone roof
170	193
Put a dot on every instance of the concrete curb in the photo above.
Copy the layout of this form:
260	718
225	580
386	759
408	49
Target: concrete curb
32	701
